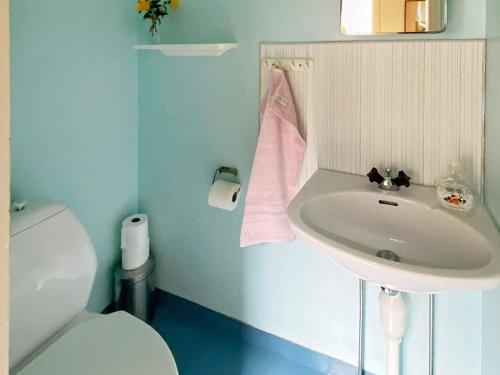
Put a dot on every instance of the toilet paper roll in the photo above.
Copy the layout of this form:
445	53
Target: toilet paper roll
135	257
224	195
135	231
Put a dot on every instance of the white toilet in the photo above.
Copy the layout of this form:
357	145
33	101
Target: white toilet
53	266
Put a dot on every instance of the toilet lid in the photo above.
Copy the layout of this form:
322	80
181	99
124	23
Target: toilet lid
111	344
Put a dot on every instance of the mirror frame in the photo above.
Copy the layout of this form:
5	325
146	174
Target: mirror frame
445	24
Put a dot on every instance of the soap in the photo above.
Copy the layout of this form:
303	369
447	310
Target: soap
453	191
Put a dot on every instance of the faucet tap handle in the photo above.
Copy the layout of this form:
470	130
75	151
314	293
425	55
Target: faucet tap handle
374	176
402	180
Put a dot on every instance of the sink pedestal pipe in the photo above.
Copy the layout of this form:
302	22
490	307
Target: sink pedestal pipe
393	316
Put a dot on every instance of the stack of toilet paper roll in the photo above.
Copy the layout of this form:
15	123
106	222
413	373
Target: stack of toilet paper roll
135	242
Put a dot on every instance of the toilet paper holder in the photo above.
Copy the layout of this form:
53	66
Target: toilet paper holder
227	170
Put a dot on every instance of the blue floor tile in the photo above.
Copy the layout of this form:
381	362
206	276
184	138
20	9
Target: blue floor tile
215	346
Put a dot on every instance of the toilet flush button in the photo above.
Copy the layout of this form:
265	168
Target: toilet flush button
19	206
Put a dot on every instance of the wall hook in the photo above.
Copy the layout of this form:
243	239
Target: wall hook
289	64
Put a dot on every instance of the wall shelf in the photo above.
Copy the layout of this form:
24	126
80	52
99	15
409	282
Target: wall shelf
213	49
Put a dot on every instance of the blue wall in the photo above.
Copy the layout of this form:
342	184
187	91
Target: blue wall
491	299
75	138
199	113
74	115
492	183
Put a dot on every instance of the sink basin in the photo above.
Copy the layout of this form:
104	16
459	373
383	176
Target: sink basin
438	250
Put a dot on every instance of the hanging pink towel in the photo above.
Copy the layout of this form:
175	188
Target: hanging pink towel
276	168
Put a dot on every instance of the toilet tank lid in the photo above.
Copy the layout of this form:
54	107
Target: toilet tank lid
33	213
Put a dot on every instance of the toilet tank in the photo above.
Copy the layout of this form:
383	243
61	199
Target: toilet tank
52	269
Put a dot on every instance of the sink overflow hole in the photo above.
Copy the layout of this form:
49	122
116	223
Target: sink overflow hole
389	203
388	255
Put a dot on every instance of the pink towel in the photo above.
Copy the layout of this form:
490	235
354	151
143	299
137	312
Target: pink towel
276	168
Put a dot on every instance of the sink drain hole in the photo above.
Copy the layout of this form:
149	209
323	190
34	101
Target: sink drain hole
388	255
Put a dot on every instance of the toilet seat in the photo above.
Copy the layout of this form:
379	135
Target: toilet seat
110	344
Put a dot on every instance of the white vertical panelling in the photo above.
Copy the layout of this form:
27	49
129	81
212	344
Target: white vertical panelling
412	105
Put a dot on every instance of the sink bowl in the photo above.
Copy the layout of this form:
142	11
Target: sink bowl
431	249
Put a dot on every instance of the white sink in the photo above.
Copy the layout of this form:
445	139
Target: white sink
439	250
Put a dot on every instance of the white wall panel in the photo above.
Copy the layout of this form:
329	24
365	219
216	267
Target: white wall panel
412	105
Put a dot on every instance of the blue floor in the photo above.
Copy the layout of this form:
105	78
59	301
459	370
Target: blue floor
206	343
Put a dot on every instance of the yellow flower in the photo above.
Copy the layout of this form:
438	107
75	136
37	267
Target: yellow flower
174	4
143	5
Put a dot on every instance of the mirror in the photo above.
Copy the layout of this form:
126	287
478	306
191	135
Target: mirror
372	17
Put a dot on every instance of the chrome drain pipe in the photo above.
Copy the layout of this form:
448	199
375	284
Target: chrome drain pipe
361	326
431	333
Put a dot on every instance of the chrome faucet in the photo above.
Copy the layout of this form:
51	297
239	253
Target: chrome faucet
387	182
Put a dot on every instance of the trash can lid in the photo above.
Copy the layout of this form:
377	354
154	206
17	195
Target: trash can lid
139	274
